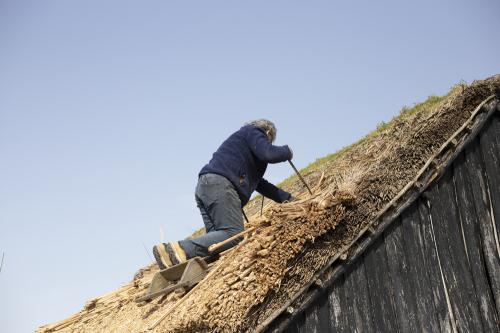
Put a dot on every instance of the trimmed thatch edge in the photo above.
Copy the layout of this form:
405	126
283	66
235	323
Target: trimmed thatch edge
432	170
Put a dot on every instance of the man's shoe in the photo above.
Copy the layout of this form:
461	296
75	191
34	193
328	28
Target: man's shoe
175	252
168	254
161	256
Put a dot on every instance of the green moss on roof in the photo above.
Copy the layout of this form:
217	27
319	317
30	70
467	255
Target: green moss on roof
405	112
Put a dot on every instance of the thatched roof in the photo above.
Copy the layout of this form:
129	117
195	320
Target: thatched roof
292	242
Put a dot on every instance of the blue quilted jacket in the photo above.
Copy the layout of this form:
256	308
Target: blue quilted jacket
243	159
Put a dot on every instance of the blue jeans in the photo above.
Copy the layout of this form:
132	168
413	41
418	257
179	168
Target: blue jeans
220	208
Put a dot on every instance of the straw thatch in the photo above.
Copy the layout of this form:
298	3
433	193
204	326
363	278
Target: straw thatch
291	241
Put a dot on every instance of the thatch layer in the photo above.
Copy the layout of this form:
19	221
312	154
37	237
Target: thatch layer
292	241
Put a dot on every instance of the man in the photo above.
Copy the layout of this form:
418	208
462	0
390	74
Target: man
225	185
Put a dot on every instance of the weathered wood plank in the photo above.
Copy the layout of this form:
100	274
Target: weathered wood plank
380	288
471	232
495	120
476	178
361	314
347	302
490	149
414	248
431	265
453	258
402	281
311	323
323	312
316	316
495	128
298	325
337	306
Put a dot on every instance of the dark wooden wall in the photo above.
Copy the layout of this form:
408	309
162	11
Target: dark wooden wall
436	268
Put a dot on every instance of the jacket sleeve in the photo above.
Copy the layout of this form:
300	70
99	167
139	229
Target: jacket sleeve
264	150
272	192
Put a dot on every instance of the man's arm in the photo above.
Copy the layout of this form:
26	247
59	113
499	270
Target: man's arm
264	150
272	192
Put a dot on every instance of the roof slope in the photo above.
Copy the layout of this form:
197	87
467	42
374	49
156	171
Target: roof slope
430	259
292	241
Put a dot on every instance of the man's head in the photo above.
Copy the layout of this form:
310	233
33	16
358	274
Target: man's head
267	126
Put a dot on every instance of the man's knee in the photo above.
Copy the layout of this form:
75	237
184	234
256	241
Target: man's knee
236	229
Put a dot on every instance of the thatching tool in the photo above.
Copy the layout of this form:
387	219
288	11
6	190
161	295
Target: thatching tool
302	179
184	275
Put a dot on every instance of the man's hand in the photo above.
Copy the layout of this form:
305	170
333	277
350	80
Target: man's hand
291	199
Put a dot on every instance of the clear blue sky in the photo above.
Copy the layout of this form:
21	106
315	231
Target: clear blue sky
108	109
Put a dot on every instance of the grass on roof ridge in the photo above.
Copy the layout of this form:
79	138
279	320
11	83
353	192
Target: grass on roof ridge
404	113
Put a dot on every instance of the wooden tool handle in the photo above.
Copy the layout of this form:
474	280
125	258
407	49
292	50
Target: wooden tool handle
216	246
300	176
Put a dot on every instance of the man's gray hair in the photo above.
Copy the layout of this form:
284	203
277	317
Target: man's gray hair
266	125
